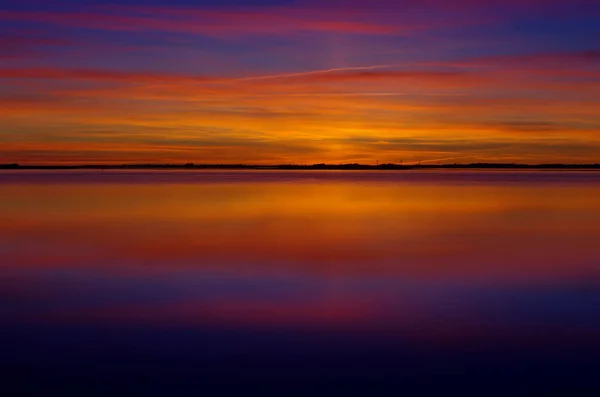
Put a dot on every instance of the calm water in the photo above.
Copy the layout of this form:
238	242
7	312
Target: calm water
181	283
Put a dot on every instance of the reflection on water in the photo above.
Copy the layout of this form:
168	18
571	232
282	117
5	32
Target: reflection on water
115	280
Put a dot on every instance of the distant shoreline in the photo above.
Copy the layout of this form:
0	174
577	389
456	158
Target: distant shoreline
191	166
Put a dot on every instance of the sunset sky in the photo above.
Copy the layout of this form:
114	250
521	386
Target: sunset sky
308	81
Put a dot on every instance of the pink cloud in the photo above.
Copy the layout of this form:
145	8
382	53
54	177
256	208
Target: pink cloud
221	23
376	17
100	75
26	47
538	59
468	5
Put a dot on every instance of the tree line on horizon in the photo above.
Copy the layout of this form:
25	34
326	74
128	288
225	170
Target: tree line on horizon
318	166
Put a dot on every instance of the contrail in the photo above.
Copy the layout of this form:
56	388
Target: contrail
444	159
311	72
284	75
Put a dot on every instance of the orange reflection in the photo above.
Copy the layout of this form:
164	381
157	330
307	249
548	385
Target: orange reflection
334	229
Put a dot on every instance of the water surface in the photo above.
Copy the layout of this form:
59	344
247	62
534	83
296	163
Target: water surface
181	282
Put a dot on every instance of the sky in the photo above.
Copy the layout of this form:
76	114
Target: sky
299	82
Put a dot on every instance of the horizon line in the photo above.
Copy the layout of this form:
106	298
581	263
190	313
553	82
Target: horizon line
188	165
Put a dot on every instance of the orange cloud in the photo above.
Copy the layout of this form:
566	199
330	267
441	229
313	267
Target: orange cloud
308	116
